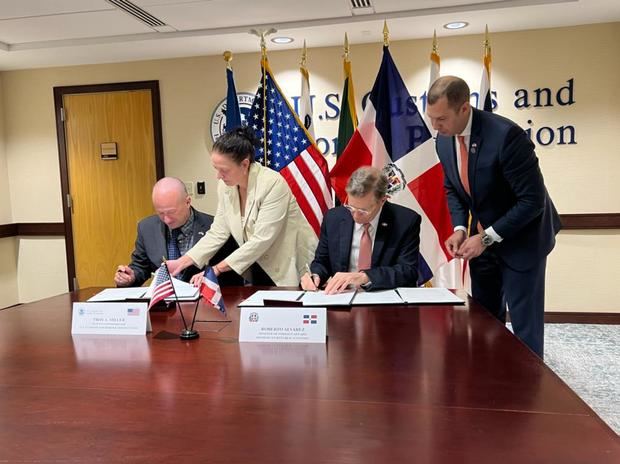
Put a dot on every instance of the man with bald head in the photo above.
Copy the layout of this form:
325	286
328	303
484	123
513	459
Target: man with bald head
175	228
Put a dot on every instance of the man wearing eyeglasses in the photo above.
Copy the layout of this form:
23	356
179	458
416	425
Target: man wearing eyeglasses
368	242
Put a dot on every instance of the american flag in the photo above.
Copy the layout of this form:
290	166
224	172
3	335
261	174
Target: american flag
133	311
210	290
162	287
289	150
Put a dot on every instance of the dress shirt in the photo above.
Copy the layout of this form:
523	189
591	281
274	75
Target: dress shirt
466	133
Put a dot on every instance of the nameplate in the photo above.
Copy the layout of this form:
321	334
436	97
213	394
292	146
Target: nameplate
283	325
110	319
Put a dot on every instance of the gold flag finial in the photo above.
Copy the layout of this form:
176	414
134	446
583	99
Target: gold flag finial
346	47
386	34
487	42
435	41
228	56
304	55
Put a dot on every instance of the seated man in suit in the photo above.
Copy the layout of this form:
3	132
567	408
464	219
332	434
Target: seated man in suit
175	228
367	242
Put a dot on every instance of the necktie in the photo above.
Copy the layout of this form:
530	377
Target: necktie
364	258
464	154
173	245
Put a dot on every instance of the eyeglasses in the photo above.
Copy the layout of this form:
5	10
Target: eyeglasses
353	209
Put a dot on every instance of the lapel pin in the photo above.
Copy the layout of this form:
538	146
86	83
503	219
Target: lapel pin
474	147
384	224
201	233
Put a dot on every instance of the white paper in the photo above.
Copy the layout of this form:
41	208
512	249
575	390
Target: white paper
321	299
259	297
119	294
413	295
184	290
283	325
381	297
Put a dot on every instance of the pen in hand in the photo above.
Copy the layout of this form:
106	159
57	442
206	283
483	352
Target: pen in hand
311	278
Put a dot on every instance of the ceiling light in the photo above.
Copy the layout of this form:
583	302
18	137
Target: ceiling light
456	25
282	40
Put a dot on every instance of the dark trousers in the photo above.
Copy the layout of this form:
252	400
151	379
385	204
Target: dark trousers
495	286
257	276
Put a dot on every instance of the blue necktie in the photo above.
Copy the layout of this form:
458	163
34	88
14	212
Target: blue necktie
173	245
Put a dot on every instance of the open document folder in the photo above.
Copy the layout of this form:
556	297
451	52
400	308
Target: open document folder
413	295
185	292
297	298
401	295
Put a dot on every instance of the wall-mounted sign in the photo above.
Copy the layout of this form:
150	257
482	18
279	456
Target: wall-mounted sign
109	151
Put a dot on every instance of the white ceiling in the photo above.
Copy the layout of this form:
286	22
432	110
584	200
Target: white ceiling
41	33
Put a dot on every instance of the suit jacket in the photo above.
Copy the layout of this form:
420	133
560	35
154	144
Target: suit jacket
274	233
150	247
394	261
507	189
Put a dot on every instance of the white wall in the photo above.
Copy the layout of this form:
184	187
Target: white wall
580	178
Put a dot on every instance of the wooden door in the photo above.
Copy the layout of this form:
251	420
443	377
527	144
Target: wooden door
108	197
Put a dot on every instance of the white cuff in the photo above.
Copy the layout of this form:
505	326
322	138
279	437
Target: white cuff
494	235
463	228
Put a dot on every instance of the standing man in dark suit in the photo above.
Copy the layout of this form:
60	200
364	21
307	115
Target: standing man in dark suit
175	228
367	242
492	173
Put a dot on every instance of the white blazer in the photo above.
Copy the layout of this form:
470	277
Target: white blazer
274	233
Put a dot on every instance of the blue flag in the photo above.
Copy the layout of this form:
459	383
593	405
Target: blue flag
233	114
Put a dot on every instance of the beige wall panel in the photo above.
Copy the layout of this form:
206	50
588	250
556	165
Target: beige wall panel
8	272
583	272
580	178
41	268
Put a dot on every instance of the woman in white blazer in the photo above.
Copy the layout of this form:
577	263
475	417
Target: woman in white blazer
256	207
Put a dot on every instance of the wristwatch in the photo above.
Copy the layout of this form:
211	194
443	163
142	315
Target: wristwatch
486	239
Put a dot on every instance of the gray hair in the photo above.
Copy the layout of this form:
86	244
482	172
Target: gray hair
453	88
367	179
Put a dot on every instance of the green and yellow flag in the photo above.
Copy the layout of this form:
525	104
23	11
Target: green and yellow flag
348	115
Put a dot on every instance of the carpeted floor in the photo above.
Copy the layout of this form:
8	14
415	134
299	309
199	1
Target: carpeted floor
587	358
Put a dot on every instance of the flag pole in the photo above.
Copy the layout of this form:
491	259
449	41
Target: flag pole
263	48
304	56
386	34
487	53
174	292
186	334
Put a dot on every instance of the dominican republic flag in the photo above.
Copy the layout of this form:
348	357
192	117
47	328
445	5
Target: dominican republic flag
233	114
162	285
393	135
287	147
210	290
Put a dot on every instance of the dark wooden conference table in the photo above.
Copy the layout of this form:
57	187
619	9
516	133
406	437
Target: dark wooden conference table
393	384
